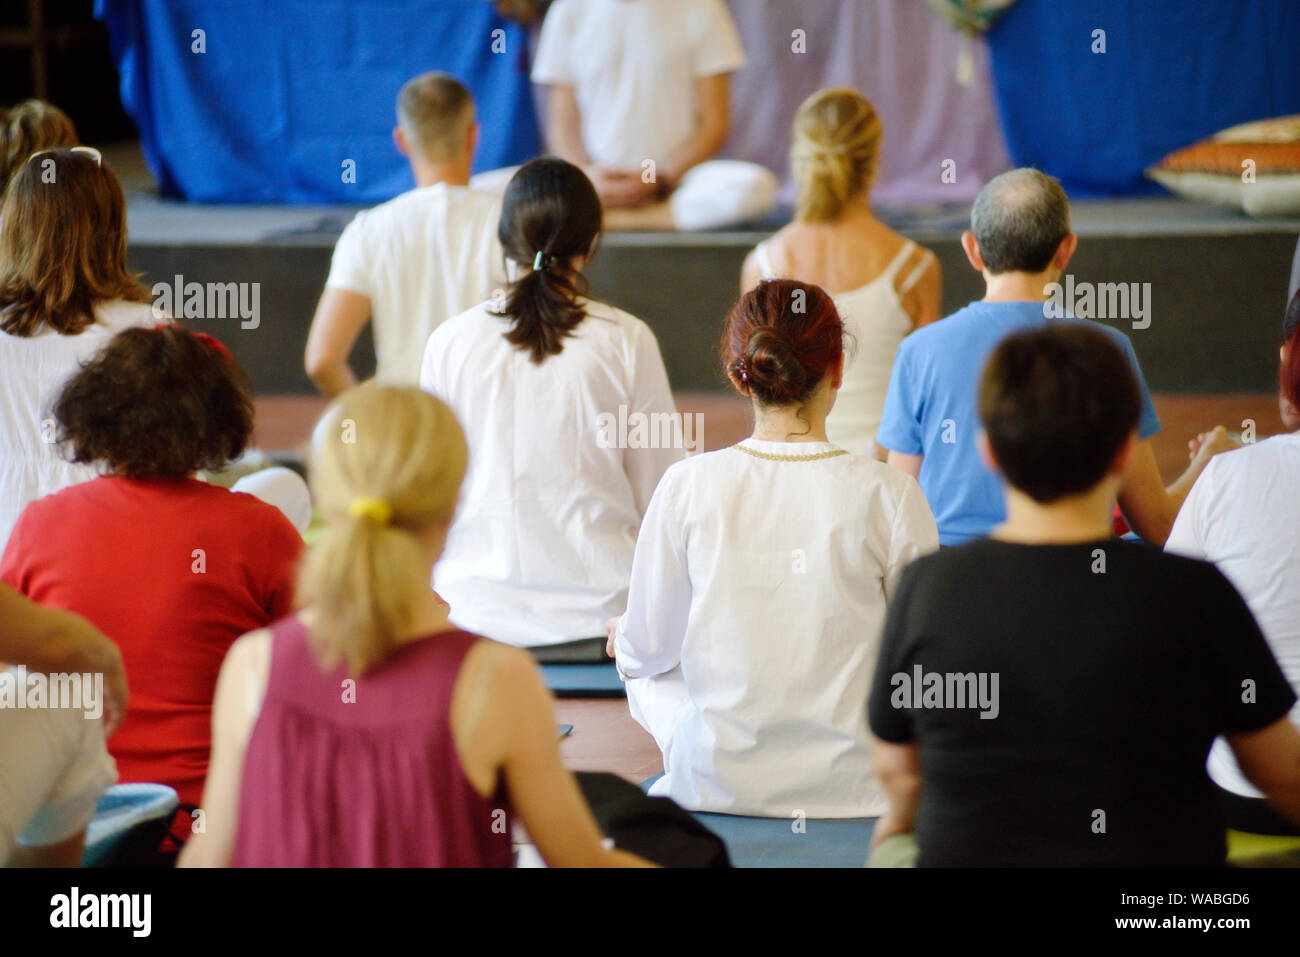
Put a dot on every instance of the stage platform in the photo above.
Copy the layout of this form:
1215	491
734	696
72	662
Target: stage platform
1217	280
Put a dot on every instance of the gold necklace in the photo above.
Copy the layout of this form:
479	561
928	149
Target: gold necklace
790	458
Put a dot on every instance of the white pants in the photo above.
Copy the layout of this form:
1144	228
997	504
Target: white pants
713	195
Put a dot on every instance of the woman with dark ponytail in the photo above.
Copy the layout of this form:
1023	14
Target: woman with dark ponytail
760	582
570	423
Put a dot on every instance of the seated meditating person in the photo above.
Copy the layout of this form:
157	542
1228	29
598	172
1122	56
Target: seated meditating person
760	583
1243	514
27	128
172	569
883	284
53	762
638	94
367	730
1047	696
65	290
1020	241
418	259
542	381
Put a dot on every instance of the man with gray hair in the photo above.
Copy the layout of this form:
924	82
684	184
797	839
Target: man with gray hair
1020	241
418	259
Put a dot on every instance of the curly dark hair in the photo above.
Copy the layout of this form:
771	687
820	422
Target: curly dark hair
157	403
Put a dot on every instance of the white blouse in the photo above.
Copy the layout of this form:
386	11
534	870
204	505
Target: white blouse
753	624
33	371
1243	514
541	547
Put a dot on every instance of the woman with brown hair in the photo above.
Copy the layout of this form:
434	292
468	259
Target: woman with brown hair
884	285
64	292
27	128
172	569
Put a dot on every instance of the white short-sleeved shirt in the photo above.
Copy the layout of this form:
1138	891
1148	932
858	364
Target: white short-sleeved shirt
541	548
33	371
53	768
633	66
754	617
1243	514
420	259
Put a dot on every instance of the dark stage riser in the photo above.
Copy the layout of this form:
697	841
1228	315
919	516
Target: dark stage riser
1215	327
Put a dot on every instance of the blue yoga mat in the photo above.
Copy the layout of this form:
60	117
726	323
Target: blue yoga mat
583	680
787	842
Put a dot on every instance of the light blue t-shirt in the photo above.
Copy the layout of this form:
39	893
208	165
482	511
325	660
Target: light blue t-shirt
930	409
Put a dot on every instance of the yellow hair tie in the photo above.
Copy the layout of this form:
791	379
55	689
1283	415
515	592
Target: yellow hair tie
373	508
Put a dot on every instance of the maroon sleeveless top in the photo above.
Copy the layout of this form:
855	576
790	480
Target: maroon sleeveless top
363	774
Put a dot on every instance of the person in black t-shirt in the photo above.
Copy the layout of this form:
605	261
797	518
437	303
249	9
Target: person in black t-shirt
1048	695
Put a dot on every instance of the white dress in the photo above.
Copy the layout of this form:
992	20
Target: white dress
541	547
33	371
874	315
1243	514
753	624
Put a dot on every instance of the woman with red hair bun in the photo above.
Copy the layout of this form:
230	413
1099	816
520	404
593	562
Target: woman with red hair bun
760	582
1243	514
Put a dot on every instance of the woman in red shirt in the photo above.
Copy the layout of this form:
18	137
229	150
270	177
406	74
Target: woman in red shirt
172	569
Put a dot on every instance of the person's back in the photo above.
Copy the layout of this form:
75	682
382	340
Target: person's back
411	263
759	587
35	369
420	258
780	638
1105	689
64	293
172	569
570	423
324	761
884	285
931	409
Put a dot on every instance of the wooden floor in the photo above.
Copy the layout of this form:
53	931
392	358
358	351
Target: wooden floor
605	738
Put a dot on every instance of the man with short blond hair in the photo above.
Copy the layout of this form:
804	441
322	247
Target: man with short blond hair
418	259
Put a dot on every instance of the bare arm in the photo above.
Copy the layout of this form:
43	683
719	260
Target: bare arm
750	274
1270	759
923	301
564	125
340	316
519	724
54	641
1149	507
911	464
714	123
899	769
240	689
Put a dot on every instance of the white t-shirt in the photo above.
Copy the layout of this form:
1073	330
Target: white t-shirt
53	768
633	65
420	259
1243	514
541	547
753	625
33	371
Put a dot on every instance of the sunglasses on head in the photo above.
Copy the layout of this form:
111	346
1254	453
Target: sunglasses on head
90	151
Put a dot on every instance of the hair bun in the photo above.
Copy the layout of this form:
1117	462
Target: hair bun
774	371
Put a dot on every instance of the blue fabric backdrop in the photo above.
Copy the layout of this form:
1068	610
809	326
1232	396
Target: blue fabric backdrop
290	89
1174	71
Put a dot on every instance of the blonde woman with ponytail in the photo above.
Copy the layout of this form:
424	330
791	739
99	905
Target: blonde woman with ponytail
883	284
367	730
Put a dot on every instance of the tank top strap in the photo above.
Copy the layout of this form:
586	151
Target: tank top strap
764	261
917	272
897	262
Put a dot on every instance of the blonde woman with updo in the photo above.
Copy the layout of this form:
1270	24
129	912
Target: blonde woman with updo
883	284
367	730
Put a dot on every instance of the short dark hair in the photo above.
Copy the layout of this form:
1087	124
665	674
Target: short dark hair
1019	219
1057	404
157	403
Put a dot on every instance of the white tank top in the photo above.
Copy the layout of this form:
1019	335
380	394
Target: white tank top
874	316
